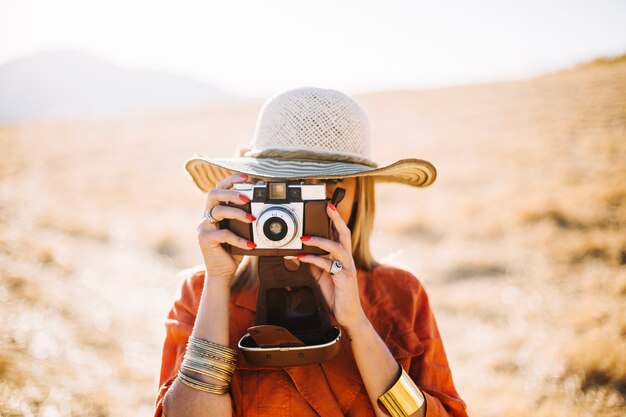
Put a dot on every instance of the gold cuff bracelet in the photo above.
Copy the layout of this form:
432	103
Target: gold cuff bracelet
403	398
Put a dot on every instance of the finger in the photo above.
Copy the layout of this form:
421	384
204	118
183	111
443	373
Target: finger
335	249
322	263
211	238
221	212
216	196
324	281
345	236
228	182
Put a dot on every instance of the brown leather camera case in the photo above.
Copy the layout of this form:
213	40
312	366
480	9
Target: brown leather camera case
293	321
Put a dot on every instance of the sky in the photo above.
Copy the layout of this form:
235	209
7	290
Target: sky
258	48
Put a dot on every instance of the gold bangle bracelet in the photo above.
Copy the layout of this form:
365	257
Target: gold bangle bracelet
202	386
209	365
229	367
203	370
210	355
224	350
403	398
210	359
206	373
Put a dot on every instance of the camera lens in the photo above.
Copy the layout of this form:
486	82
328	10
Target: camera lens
275	229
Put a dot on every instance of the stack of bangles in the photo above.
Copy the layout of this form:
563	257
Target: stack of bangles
209	359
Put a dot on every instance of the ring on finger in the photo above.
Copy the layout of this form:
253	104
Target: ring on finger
335	267
209	217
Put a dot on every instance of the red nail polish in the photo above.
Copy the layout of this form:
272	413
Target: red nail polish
243	176
332	206
251	245
250	217
300	255
244	198
305	238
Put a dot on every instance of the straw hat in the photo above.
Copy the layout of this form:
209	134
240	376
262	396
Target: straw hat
310	133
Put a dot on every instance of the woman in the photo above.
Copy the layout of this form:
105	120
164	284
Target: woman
391	361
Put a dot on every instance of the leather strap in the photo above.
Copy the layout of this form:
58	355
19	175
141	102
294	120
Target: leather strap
281	355
338	196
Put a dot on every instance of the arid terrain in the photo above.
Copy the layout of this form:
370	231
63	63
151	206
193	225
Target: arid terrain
520	242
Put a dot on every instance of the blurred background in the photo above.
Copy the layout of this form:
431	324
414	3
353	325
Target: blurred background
521	243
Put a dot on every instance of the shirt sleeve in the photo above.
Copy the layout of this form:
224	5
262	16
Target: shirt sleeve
178	327
430	369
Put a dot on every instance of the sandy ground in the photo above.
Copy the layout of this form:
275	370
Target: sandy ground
520	242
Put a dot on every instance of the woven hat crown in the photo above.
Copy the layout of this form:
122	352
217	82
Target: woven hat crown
313	123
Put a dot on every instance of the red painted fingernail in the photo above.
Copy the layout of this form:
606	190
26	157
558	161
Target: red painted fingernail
243	176
250	217
305	238
332	206
251	245
300	255
244	198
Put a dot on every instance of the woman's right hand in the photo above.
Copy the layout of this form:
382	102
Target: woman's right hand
220	264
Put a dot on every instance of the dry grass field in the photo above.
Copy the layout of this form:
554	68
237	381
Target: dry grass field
521	242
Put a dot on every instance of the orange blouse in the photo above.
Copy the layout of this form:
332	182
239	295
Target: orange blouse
397	306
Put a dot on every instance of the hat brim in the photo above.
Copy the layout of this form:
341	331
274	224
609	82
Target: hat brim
207	172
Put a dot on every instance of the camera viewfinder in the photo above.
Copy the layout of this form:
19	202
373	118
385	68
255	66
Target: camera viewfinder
278	190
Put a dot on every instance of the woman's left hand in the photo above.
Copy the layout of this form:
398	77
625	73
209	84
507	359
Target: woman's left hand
340	290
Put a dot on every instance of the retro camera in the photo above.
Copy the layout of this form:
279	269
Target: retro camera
284	211
293	324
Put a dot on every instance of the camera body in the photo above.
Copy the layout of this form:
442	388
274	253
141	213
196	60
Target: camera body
284	212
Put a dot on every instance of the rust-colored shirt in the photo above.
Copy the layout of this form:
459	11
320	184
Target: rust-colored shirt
397	306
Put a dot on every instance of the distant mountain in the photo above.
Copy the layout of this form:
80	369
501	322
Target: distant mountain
69	82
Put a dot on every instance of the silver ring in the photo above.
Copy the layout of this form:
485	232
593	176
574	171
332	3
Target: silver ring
207	216
335	267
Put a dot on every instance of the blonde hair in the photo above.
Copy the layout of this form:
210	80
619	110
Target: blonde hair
361	225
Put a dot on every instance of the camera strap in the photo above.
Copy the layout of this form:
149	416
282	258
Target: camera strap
292	319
